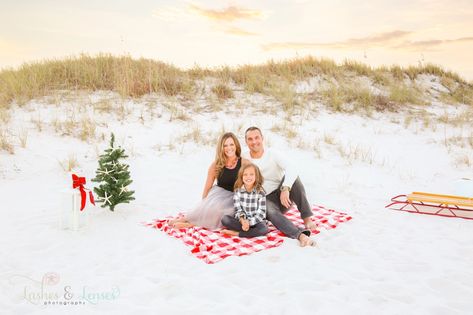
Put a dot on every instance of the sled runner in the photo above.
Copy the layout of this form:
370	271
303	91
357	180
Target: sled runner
435	204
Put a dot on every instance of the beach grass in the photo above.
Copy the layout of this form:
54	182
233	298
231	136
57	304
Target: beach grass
222	91
134	78
124	75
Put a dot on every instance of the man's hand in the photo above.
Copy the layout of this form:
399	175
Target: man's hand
245	224
285	201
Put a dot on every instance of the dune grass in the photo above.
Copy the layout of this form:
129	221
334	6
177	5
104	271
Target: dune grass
358	68
354	98
137	77
23	137
402	94
283	92
463	94
69	163
413	71
5	142
127	76
222	91
5	115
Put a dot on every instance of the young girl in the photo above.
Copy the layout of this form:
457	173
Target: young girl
249	200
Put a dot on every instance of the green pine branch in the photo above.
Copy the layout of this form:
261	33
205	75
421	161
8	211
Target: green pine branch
113	177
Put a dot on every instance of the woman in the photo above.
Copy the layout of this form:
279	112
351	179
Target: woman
217	200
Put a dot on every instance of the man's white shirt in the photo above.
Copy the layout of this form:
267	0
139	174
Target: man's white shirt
273	167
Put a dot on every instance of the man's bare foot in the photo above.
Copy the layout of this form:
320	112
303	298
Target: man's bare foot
229	232
181	225
309	224
304	241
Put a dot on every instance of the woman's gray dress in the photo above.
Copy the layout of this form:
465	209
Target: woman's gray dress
219	201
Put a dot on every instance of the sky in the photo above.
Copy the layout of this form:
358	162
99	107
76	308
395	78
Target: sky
218	33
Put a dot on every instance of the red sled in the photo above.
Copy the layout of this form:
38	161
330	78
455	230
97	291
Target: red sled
434	204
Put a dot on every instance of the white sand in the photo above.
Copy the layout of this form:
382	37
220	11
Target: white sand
381	262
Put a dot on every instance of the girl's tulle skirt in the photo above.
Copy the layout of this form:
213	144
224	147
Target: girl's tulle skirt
210	211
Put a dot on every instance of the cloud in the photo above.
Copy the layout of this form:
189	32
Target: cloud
393	40
382	39
378	39
239	32
228	14
170	14
428	44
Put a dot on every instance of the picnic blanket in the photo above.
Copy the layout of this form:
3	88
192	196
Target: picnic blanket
213	246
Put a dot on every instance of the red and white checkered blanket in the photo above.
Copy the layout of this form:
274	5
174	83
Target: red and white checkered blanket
213	246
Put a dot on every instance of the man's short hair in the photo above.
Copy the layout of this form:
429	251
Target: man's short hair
252	128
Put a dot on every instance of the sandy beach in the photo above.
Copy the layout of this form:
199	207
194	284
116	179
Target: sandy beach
380	262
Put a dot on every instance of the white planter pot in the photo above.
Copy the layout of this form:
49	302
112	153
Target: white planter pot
71	217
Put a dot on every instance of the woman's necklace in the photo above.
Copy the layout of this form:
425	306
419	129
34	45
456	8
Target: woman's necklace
231	164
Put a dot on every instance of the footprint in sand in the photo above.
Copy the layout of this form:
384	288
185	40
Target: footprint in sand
273	258
448	289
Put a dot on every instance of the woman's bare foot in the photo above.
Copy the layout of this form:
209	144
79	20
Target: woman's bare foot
178	219
229	232
180	223
304	241
309	224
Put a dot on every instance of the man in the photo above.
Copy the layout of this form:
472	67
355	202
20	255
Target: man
282	188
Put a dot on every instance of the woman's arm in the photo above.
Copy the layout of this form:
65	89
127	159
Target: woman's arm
210	180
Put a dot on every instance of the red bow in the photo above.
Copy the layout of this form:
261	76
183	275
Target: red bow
80	182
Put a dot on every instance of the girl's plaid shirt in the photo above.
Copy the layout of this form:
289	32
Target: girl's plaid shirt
250	205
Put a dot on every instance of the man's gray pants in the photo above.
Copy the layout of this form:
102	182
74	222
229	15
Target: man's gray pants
275	210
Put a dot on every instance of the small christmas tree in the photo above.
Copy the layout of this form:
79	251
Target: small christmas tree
113	177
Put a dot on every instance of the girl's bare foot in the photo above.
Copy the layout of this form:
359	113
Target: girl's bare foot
229	232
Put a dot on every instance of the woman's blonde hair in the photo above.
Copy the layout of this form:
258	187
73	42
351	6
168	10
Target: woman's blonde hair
258	177
220	157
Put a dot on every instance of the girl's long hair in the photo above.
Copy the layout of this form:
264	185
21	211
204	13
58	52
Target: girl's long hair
258	177
220	157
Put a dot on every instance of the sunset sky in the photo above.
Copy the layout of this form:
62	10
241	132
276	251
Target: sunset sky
215	33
